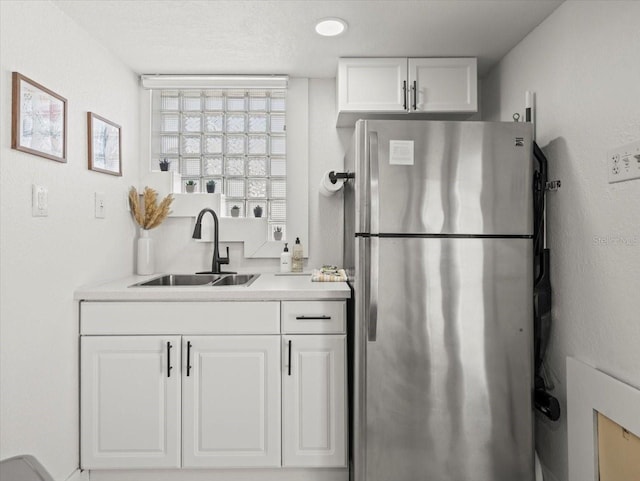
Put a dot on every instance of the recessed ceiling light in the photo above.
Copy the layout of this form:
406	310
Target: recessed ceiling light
330	27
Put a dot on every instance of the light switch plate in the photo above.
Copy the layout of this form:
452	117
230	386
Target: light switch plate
100	205
623	163
39	201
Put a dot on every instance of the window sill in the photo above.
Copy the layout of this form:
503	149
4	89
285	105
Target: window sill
251	231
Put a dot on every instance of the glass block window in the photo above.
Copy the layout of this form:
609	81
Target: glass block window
235	137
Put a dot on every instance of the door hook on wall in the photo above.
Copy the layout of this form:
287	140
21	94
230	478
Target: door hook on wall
553	186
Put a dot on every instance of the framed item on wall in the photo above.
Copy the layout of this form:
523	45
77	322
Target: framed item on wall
105	149
38	120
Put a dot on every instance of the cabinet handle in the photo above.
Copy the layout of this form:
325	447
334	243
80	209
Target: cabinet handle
302	318
415	95
289	362
188	357
169	367
404	94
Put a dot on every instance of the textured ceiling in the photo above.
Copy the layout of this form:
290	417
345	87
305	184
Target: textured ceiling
269	36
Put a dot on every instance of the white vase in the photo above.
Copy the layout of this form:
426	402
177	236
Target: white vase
146	259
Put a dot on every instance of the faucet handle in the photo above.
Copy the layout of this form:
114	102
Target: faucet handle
224	260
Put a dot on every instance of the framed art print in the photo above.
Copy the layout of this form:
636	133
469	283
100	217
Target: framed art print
105	148
38	120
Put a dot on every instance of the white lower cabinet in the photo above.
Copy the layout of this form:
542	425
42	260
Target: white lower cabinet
246	393
130	402
314	401
135	390
231	401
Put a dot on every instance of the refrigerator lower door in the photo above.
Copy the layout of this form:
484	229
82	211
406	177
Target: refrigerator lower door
446	375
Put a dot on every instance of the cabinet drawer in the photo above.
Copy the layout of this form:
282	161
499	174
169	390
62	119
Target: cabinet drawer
181	318
301	317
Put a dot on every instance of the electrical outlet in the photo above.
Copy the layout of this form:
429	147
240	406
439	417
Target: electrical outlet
623	163
100	206
39	201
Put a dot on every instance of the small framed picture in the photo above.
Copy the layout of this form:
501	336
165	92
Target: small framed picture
105	149
38	120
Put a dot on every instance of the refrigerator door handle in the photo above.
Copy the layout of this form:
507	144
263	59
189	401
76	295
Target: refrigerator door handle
373	289
374	178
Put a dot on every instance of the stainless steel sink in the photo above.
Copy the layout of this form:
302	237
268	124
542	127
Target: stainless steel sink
236	280
180	280
175	280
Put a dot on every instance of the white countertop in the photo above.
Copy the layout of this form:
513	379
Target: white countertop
266	287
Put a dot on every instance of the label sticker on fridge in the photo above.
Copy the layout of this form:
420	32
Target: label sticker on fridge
401	152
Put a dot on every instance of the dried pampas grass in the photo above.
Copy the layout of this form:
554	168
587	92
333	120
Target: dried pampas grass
149	214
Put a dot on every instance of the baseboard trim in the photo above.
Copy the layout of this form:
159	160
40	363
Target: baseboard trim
286	474
78	475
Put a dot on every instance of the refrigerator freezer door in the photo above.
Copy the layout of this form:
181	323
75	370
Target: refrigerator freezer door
446	385
446	177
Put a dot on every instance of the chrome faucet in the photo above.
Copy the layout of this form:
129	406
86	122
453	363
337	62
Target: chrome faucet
197	234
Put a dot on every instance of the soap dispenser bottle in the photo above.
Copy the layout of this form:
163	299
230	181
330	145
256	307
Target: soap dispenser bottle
285	260
297	261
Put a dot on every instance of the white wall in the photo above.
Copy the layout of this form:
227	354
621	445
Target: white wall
44	259
583	63
177	252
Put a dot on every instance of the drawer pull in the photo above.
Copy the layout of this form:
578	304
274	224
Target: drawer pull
307	318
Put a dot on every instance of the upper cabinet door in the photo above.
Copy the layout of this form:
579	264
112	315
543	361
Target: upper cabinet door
231	401
130	402
372	84
443	85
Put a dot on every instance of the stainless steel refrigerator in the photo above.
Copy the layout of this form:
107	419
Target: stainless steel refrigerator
438	244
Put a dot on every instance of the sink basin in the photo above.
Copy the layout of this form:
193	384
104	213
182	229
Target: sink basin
236	280
180	280
210	280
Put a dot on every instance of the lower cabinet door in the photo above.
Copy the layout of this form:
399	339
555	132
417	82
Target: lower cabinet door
130	402
231	401
314	400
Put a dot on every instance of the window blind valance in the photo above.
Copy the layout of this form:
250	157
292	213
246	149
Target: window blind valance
260	82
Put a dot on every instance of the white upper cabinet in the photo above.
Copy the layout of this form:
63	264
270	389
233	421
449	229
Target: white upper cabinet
443	85
372	84
420	87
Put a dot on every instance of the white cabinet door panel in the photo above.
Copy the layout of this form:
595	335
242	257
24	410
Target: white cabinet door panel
371	84
314	400
130	402
231	400
443	84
